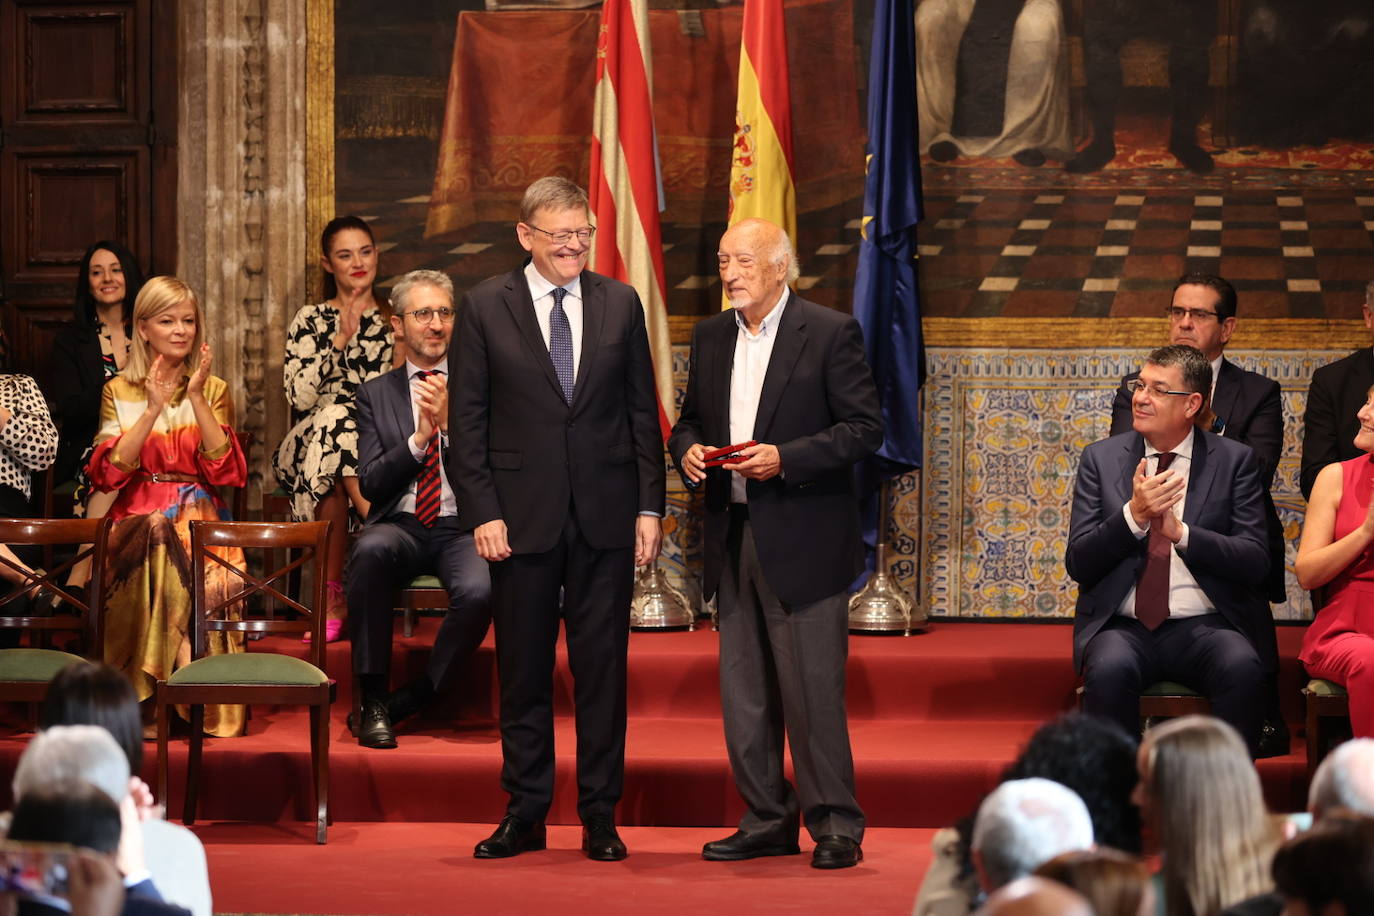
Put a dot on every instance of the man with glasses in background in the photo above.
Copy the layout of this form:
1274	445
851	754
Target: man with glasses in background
1166	543
1244	406
558	463
412	528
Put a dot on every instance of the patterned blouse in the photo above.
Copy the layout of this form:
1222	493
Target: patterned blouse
28	442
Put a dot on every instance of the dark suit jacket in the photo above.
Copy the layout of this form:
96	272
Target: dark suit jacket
386	468
74	378
820	408
1250	406
519	452
1338	391
1224	511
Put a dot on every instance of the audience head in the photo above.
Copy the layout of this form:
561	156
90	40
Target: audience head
1364	438
1024	823
1328	870
66	754
419	301
555	228
1345	779
1369	305
93	693
756	262
1095	758
109	273
1114	883
1202	313
161	315
1032	896
348	255
1200	794
76	813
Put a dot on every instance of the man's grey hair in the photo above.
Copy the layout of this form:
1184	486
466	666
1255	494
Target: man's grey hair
400	293
552	193
784	252
1023	824
1345	779
64	754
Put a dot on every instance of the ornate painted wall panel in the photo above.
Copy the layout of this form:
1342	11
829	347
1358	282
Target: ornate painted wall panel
1004	432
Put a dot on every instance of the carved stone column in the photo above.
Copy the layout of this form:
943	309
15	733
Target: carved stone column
241	210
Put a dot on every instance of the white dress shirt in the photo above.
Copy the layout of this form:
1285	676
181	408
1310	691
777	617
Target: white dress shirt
448	503
541	291
1186	597
752	352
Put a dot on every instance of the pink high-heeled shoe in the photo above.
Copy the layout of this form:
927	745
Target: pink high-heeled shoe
334	626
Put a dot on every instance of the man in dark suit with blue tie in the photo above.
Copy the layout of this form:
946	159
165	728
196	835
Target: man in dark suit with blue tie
412	528
1167	545
558	462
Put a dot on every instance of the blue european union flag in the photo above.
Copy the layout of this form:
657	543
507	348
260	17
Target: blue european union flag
886	300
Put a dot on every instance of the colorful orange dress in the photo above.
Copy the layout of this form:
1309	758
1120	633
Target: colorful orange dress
148	583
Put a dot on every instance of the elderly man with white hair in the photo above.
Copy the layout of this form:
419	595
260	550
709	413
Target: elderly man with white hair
1345	779
159	860
1023	824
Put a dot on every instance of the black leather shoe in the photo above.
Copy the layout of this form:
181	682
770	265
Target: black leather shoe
511	838
741	845
375	728
600	841
836	852
1273	740
406	701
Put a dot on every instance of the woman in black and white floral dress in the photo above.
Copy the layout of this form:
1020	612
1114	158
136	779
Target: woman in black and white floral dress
28	443
331	349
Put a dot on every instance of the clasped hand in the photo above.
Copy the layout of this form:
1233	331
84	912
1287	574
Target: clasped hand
431	396
163	379
760	462
1153	499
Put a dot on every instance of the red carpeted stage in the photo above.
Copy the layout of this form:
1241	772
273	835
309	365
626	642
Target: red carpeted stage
934	719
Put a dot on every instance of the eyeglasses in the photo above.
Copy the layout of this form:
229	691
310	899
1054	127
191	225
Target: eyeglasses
565	236
425	316
1176	314
1135	386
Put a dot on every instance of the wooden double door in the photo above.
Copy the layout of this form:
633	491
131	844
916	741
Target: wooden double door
88	112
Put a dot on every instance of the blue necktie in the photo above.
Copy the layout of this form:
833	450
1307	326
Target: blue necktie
561	344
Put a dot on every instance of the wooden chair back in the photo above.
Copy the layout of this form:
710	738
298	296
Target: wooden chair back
81	614
301	545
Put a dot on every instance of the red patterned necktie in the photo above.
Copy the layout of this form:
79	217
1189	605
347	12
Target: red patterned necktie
1152	587
428	492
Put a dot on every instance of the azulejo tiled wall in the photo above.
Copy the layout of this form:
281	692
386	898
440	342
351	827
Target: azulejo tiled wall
1004	432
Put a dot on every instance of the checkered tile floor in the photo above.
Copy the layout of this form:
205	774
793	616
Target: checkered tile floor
1094	253
827	245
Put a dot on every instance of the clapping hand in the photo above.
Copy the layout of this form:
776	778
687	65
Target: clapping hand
1154	496
351	308
161	383
431	394
196	386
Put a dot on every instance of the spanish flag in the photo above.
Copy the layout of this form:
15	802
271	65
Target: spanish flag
626	191
761	166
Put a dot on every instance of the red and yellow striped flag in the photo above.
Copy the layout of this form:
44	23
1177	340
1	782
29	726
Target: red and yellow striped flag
625	189
761	166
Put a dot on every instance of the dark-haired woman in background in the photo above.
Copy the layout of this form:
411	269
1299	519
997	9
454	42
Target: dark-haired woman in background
331	349
85	356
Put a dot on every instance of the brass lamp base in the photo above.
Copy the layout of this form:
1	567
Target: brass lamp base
656	605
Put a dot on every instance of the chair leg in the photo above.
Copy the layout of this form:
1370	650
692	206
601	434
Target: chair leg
319	759
1314	737
193	763
409	622
163	727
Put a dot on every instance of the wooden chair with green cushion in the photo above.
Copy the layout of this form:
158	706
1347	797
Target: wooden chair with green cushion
424	593
253	677
1325	700
26	671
